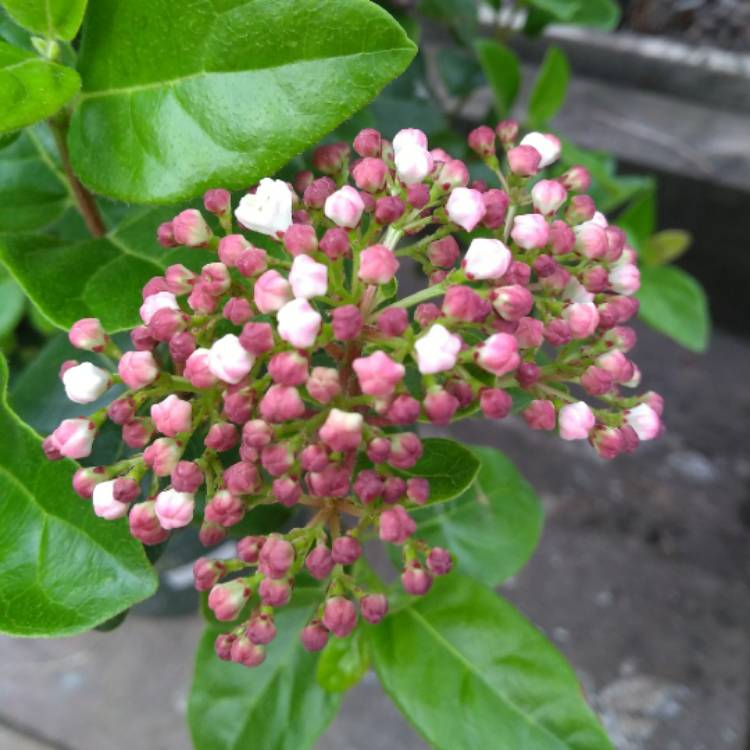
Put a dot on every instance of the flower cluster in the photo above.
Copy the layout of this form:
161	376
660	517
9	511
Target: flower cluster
287	371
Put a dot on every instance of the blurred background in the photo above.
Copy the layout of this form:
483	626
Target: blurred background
641	577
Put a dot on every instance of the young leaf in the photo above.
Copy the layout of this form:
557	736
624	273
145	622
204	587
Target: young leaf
674	303
599	14
62	569
560	10
468	671
550	87
100	278
343	662
664	247
59	19
639	217
31	89
493	527
232	97
277	705
12	303
503	73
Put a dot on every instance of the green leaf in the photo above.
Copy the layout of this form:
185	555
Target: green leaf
639	217
460	15
33	192
12	303
100	278
449	467
550	87
503	73
598	14
493	527
674	303
343	662
468	671
560	10
62	569
665	246
277	705
460	71
239	91
59	19
31	89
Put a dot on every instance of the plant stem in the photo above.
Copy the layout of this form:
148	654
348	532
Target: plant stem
420	296
84	200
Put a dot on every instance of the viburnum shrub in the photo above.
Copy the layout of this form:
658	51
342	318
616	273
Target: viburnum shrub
293	373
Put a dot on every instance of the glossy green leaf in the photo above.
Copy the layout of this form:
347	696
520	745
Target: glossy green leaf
241	89
59	19
675	304
449	467
100	278
493	527
560	10
31	89
33	192
638	219
599	14
468	671
62	569
664	247
550	87
12	303
503	72
344	662
277	705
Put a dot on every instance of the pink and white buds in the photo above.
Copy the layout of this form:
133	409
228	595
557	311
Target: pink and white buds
197	369
308	278
409	137
369	174
144	524
540	415
530	231
524	161
72	439
512	302
174	509
85	383
172	415
217	201
625	278
498	354
576	421
374	607
413	163
344	207
224	508
189	228
88	334
162	456
342	430
546	144
323	384
582	319
299	323
268	210
486	259
465	207
482	140
346	322
271	292
591	239
281	404
137	369
377	265
186	477
276	557
548	196
396	525
207	573
645	421
300	239
339	616
378	374
228	360
105	504
226	600
437	351
416	580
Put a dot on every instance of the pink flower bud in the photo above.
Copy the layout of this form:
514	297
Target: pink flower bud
165	234
548	196
190	228
268	210
197	369
465	207
237	310
224	508
377	265
582	318
138	369
231	248
440	406
85	383
413	163
207	573
257	338
136	433
580	209
238	406
596	381
144	524
394	490
367	142
512	302
486	259
282	403
210	534
314	637
271	292
174	509
162	456
286	490
393	321
557	333
339	616
496	207
215	278
403	410
530	231
439	561
172	415
368	486
288	368
222	436
369	174
86	479
507	132
644	420
308	278
344	207
186	477
276	557
248	548
300	239
615	243
242	478
228	360
617	365
298	322
406	450
498	354
576	178
374	607
415	579
495	403
437	351
335	243
378	374
342	430
332	481
409	137
591	240
226	600
166	323
346	322
418	195
105	505
453	173
524	160
346	550
277	459
396	525
318	191
540	415
529	333
261	629
244	651
482	141
155	285
252	262
546	144
200	300
331	157
217	201
388	209
88	334
561	237
418	490
625	278
576	421
444	252
73	438
379	449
